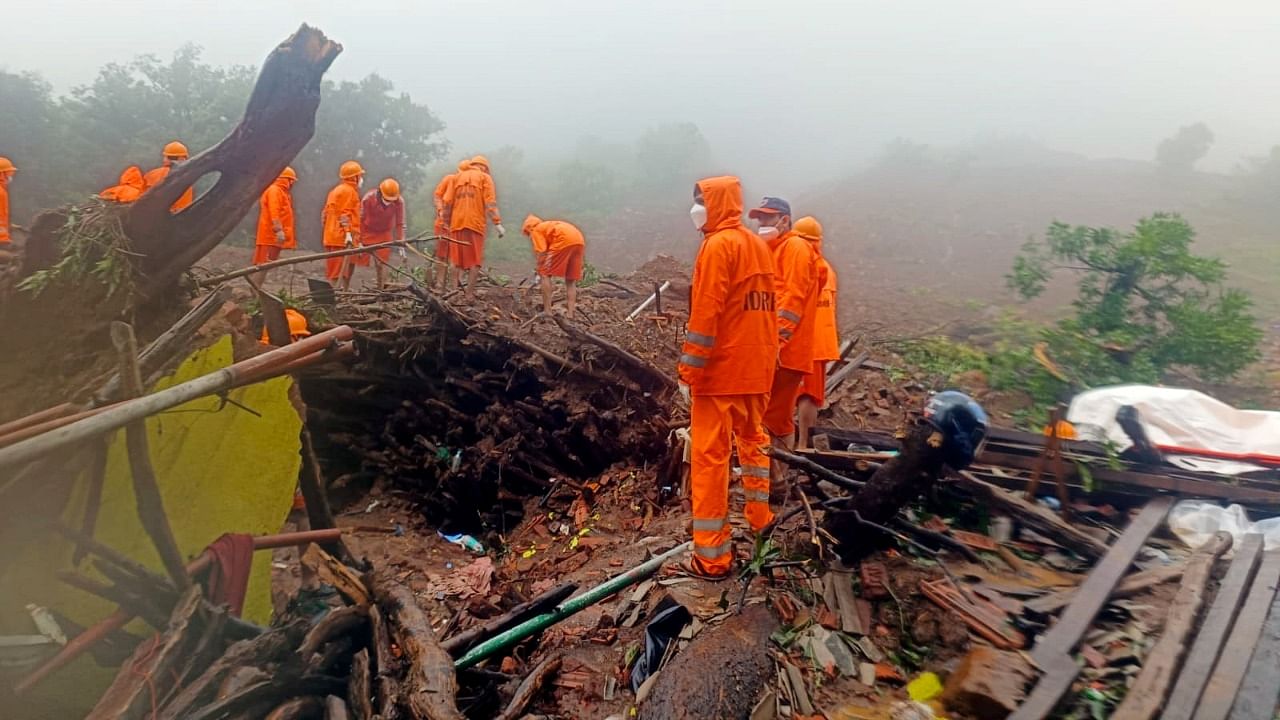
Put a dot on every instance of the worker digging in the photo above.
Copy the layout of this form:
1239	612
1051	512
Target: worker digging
669	472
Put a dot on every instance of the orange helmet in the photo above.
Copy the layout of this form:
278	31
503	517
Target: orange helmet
6	165
175	149
390	189
350	169
529	224
480	161
808	228
288	174
464	165
297	323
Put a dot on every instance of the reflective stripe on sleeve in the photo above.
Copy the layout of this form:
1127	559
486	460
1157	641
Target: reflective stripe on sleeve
788	315
700	339
693	360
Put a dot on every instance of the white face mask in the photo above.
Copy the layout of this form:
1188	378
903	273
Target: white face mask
768	232
360	181
698	214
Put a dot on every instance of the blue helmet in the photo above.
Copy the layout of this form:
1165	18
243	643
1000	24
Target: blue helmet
963	424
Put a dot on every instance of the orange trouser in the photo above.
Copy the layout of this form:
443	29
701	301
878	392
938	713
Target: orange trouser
716	422
780	416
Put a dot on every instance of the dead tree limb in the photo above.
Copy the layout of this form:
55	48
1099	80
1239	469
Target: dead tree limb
1037	517
278	122
651	374
146	489
430	684
529	687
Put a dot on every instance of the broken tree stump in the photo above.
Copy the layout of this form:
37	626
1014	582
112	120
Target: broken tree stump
1146	696
430	687
719	675
897	482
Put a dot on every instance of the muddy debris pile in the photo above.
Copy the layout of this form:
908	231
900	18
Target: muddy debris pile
468	410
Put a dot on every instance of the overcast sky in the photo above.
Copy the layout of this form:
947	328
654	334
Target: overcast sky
808	87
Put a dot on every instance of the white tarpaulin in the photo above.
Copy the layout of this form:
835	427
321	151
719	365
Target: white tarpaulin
1192	430
1194	522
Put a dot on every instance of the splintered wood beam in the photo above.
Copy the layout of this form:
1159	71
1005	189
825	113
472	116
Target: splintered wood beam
1228	675
1146	696
1213	631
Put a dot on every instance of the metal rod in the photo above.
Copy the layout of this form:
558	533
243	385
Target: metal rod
569	607
649	302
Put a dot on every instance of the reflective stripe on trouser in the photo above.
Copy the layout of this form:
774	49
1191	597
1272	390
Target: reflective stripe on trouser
715	422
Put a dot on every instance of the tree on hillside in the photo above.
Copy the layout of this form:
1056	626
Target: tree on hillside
669	159
128	113
1144	304
386	132
30	125
1180	152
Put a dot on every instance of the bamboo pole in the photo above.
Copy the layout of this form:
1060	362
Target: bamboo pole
123	413
219	279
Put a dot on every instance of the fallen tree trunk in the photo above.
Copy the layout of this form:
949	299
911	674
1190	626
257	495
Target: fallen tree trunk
430	685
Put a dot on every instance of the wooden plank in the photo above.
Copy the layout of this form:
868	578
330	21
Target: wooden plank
1062	638
1146	696
1213	631
1130	586
1220	692
1039	518
1059	672
1260	692
846	602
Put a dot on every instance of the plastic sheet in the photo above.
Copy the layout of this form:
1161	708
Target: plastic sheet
669	618
1195	521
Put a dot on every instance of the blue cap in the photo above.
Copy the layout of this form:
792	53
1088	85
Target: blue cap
771	206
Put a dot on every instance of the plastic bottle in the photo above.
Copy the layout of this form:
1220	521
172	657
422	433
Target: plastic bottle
466	542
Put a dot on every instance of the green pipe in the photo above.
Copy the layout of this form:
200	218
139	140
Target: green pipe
572	606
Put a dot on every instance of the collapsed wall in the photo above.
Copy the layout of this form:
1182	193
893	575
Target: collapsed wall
470	414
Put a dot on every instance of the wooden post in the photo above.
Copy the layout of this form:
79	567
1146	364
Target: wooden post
146	489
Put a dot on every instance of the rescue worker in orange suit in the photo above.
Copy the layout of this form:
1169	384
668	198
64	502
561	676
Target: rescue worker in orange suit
275	222
440	268
826	341
128	189
7	171
726	369
381	221
559	248
796	282
341	222
175	153
467	204
297	327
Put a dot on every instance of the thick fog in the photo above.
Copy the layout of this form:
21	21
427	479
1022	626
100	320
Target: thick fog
798	91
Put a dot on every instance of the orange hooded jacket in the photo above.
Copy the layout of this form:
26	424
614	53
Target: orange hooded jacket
445	183
797	283
552	235
469	199
156	176
826	341
275	209
5	239
129	189
731	341
341	215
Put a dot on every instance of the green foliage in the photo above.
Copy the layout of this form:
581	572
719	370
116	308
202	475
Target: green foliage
1180	152
95	249
942	358
1145	303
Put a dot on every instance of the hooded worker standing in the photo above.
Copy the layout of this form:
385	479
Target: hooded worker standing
175	153
7	171
341	222
440	269
826	340
275	222
726	369
381	221
559	248
468	204
796	282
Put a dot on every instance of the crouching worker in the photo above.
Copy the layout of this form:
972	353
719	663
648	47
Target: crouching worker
558	248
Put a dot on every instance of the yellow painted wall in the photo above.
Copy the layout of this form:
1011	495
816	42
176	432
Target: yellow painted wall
220	469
